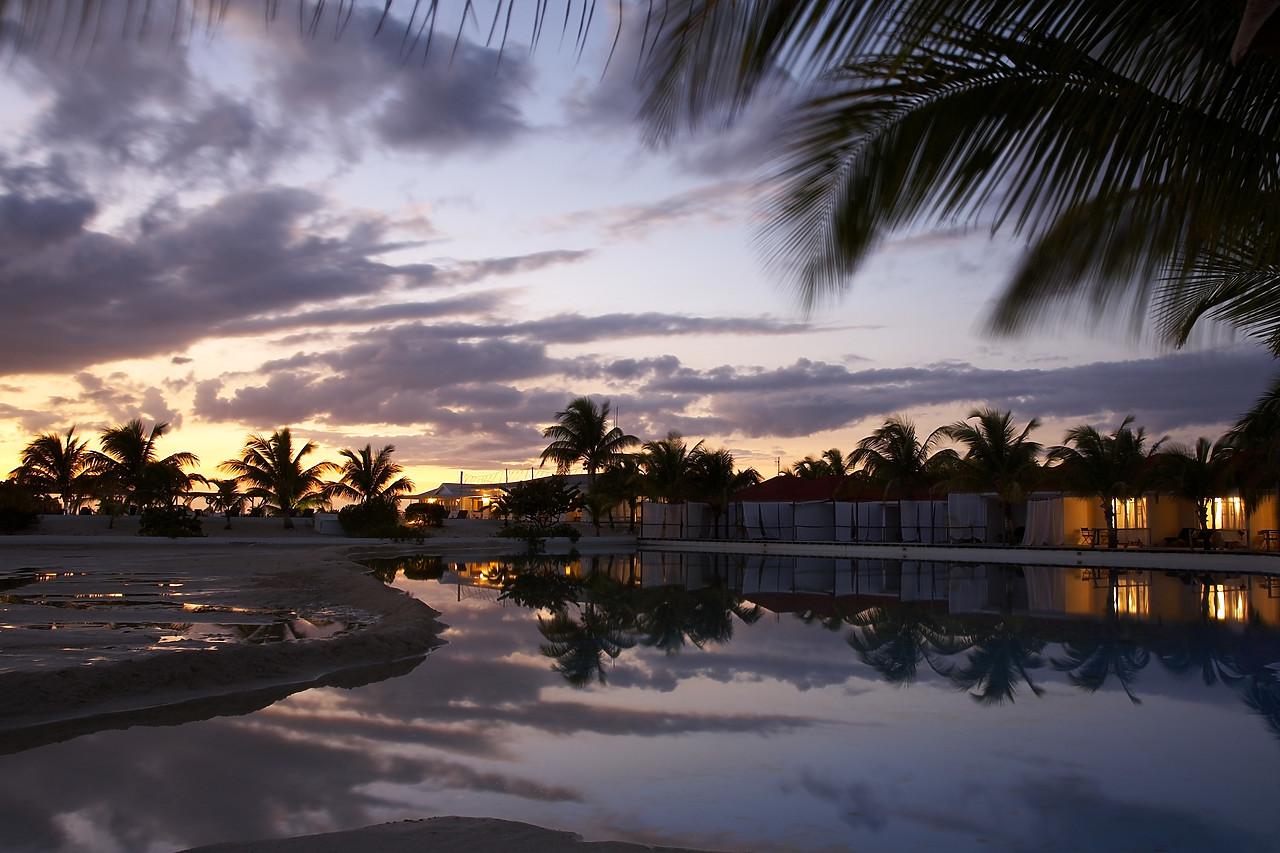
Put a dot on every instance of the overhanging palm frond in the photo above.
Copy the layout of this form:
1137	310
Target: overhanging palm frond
1113	135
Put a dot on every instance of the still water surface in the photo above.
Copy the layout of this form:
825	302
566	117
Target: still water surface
740	704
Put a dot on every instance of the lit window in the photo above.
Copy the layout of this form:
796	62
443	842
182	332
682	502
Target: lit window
1227	514
1131	513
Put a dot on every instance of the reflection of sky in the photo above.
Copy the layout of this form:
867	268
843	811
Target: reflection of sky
780	740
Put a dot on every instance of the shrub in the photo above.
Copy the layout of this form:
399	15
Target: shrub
171	521
431	515
19	508
376	519
535	534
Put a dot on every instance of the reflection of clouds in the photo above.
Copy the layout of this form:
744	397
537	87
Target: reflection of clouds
857	803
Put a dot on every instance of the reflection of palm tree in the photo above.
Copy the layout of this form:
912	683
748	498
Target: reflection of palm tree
893	642
579	648
1001	657
274	471
1104	651
57	465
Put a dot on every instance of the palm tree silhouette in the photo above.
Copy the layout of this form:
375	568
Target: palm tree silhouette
1140	165
130	463
368	476
57	465
997	458
716	481
226	498
273	469
582	435
1109	467
896	459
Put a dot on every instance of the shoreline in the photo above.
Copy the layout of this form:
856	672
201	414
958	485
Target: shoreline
301	573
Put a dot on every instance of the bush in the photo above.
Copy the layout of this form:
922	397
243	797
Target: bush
171	521
535	534
376	519
19	508
431	515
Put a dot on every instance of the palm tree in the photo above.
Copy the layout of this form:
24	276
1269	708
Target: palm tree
367	475
622	481
582	435
1110	467
274	470
997	458
668	468
1141	167
1197	474
716	481
130	464
57	465
227	499
896	459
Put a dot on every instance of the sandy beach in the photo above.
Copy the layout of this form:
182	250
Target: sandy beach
256	565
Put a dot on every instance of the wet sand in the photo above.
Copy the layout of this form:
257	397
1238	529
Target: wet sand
259	565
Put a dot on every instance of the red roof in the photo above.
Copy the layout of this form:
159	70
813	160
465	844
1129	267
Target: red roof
791	488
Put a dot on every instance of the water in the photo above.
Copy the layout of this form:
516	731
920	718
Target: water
976	708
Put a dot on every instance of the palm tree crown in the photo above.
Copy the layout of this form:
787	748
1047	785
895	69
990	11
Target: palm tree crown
368	476
274	470
1114	134
57	465
130	461
582	434
1109	467
894	457
997	457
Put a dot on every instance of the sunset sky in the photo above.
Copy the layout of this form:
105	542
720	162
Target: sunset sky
256	228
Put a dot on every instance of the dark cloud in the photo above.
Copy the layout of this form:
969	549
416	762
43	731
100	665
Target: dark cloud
454	97
483	391
251	262
136	103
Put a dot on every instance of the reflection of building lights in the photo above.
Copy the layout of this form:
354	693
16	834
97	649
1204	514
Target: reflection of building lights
1227	603
1132	597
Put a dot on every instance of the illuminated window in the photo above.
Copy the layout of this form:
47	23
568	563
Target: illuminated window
1227	514
1131	513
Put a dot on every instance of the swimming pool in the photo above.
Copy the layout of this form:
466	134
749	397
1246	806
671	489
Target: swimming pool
740	704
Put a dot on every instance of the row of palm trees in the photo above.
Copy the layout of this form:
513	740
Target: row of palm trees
271	473
666	470
986	452
990	453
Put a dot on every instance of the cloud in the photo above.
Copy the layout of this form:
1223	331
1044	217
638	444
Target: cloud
451	98
250	262
483	391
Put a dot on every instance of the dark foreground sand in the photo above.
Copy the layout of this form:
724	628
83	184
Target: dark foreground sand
439	835
259	565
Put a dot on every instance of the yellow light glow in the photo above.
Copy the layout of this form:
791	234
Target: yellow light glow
1227	603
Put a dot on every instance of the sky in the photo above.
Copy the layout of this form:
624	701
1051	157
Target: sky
375	243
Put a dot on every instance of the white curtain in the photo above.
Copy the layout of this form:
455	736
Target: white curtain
967	517
1044	523
815	521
